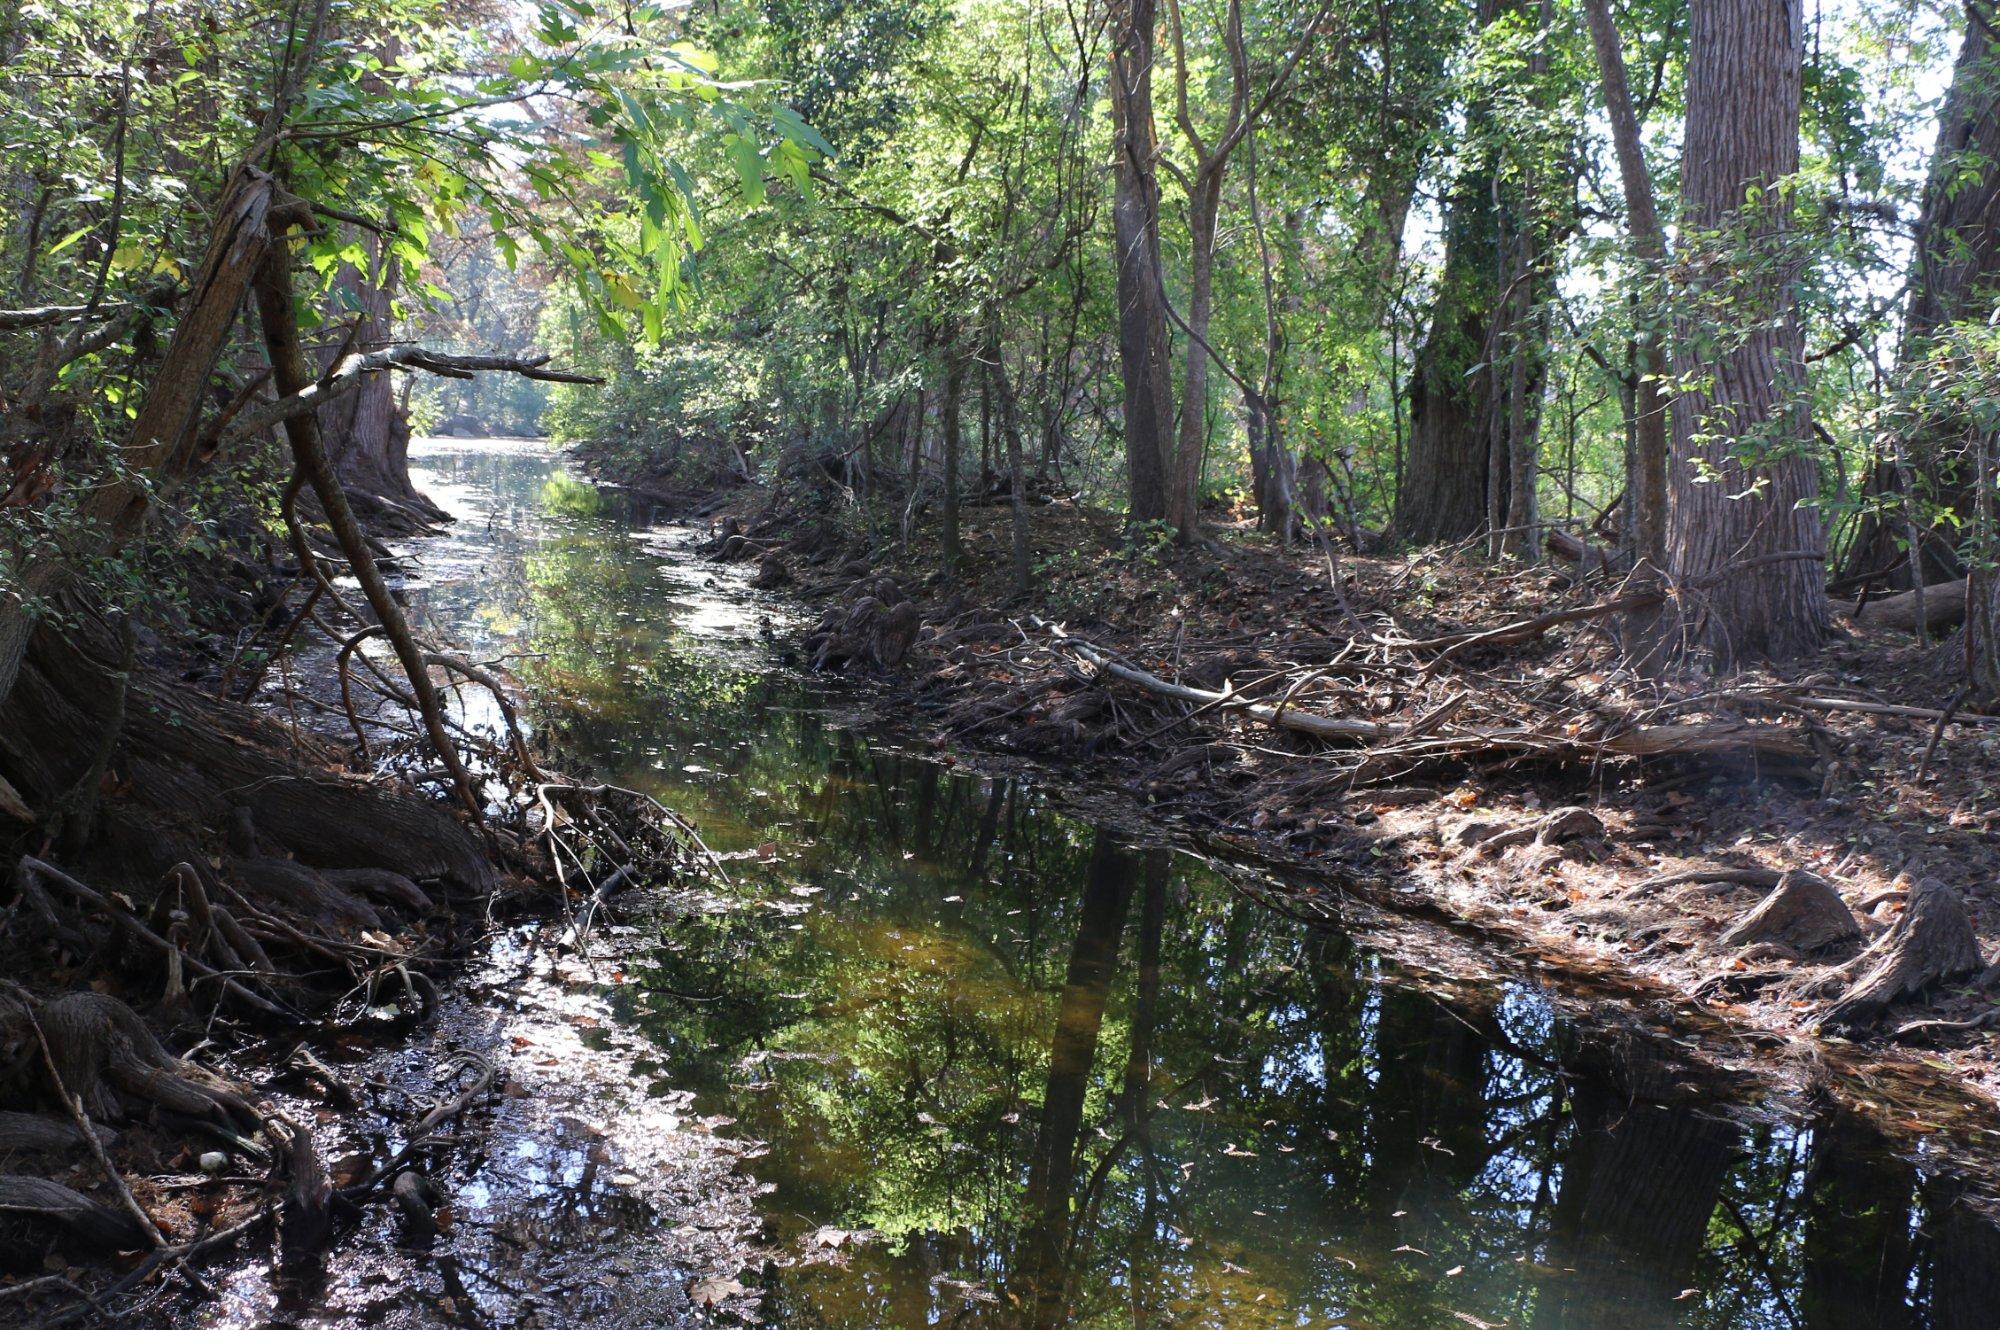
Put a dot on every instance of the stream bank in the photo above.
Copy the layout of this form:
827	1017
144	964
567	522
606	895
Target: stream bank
951	1046
1594	827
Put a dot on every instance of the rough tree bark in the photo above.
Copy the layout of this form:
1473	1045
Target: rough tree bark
1742	450
1445	489
1144	353
367	432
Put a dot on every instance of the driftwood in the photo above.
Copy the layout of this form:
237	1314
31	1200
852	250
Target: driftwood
1931	942
1803	912
1723	738
1556	828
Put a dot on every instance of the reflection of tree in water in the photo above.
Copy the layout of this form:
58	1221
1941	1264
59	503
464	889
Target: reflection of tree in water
1100	1082
1858	1246
1042	1266
1639	1186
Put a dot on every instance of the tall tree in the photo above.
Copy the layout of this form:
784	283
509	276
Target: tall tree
1203	184
1457	409
1741	536
1144	351
1954	274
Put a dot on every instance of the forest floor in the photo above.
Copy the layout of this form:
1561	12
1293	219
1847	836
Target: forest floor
1523	783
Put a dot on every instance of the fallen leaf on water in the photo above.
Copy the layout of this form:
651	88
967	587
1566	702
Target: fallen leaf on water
1417	1250
1230	1149
712	1292
1478	1324
1454	1272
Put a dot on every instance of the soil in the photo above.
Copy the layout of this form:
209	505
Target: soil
1610	826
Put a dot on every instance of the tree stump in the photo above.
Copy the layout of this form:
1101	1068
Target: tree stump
1931	942
1803	912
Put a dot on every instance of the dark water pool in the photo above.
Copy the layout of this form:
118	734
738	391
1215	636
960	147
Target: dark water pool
1017	1070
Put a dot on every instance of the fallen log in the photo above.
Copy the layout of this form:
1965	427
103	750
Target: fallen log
1943	606
1730	737
1575	549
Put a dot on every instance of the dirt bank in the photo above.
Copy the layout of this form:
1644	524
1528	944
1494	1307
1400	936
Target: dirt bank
1806	857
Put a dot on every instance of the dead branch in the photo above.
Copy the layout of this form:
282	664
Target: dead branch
1638	741
349	372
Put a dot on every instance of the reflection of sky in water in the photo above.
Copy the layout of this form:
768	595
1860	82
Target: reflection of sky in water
925	965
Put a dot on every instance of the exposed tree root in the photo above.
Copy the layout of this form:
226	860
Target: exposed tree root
38	1215
1931	942
1396	740
1803	912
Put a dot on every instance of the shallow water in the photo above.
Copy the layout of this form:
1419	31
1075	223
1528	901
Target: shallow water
1014	1070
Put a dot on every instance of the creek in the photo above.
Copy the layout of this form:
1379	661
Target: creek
943	1053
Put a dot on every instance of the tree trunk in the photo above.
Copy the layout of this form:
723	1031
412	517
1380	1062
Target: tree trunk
1742	456
1445	491
953	409
1143	349
1184	507
1646	466
1017	475
1954	271
162	445
367	432
289	375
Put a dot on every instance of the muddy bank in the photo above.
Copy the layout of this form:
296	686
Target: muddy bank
1437	740
238	889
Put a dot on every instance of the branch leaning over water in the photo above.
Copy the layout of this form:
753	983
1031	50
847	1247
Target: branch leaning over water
350	371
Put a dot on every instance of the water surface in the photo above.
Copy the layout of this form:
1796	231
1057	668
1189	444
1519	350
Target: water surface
1016	1070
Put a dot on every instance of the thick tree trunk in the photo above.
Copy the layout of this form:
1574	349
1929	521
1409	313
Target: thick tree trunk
1743	462
1144	351
1450	477
367	432
162	445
